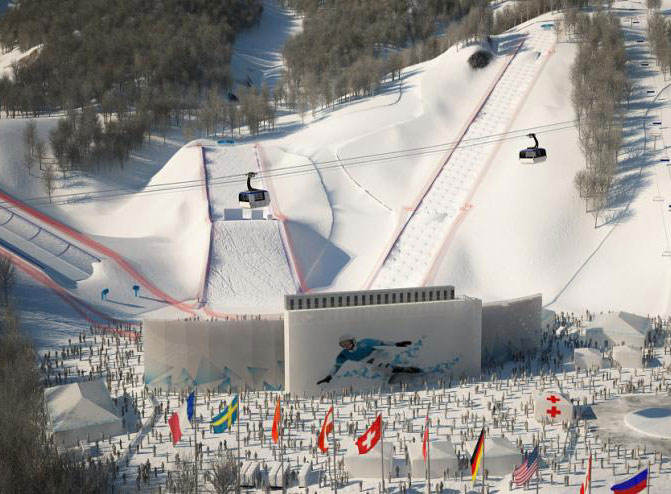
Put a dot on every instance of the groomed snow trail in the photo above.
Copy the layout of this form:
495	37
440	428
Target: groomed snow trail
418	243
32	241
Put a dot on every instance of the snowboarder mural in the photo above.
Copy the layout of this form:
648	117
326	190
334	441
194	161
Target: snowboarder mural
371	353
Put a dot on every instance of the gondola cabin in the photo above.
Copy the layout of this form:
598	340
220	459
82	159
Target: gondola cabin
253	198
532	155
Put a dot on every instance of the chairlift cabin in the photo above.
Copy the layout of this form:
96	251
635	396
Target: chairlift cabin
533	154
253	198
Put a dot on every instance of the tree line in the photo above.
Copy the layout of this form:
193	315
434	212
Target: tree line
28	460
659	36
348	48
600	87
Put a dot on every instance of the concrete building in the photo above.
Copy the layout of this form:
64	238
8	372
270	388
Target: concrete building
373	338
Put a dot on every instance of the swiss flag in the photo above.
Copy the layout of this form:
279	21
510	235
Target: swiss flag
588	476
327	428
426	437
370	438
276	421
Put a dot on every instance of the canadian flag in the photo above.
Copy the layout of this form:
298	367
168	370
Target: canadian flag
426	437
276	421
370	438
327	428
584	487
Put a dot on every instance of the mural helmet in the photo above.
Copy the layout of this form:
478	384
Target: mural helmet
347	338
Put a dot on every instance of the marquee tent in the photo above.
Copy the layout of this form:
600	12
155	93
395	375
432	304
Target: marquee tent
619	328
442	456
368	466
550	406
501	456
628	356
589	358
81	410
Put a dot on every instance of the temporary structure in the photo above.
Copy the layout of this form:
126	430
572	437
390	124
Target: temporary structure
442	456
368	466
619	328
589	358
628	356
550	406
81	411
501	456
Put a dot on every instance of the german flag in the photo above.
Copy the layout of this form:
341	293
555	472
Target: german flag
478	452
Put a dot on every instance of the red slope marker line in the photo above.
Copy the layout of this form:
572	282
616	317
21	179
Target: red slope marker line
123	264
284	230
77	305
434	175
463	211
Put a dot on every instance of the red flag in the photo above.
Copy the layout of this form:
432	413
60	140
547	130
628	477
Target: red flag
327	427
173	422
588	476
426	437
370	438
276	422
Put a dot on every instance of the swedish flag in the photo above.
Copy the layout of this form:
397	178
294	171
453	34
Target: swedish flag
226	418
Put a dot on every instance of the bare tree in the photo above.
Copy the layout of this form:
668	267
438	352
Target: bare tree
40	151
49	180
224	476
184	477
7	277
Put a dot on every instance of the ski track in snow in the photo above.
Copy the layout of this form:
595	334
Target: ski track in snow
414	249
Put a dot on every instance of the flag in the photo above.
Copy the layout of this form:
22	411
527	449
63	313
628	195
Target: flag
588	476
190	405
327	427
370	438
179	420
276	422
425	441
635	484
226	418
526	470
476	457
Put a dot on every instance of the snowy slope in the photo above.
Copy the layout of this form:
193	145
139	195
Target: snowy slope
528	230
257	53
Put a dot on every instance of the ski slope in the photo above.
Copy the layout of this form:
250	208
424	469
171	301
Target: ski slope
421	237
249	268
528	229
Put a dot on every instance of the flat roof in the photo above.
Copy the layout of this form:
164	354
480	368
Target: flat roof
355	298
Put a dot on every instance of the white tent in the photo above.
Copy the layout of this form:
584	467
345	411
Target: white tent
501	456
628	356
550	406
589	358
619	328
81	410
442	456
368	466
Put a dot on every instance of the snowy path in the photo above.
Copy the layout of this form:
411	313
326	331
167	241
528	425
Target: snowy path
419	242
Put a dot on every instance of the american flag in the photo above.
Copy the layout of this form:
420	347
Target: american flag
528	467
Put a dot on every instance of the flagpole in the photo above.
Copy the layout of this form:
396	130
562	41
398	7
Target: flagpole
428	454
335	466
281	434
483	459
237	431
195	433
589	482
382	451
